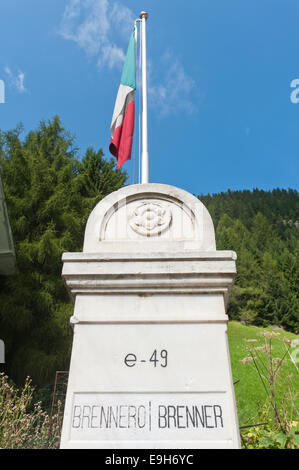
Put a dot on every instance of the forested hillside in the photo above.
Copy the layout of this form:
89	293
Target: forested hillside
50	190
263	228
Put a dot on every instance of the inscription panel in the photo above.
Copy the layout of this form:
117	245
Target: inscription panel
150	416
151	357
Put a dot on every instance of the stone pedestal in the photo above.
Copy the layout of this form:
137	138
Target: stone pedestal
150	364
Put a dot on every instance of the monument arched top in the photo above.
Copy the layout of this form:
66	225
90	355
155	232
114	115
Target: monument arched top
149	217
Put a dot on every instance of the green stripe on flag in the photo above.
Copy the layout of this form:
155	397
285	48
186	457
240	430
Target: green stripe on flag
128	77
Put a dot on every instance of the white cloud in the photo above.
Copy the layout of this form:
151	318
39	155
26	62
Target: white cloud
112	55
96	26
101	28
15	80
122	18
172	93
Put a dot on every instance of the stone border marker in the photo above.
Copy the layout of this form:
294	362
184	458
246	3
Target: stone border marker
150	364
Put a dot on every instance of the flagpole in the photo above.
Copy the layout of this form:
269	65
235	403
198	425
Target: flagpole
144	154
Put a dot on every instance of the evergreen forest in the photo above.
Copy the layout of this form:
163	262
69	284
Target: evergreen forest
262	227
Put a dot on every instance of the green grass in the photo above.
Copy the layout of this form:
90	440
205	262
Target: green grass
250	392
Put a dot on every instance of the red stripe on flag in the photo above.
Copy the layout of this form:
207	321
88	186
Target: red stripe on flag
121	144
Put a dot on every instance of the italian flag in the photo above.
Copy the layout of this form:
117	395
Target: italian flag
122	125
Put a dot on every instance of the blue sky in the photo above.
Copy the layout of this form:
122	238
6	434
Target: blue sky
220	73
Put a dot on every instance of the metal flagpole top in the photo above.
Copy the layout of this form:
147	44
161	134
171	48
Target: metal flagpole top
143	14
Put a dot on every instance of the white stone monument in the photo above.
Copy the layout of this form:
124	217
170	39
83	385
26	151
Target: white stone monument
150	365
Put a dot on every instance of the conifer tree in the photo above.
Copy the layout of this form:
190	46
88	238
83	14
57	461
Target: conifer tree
50	193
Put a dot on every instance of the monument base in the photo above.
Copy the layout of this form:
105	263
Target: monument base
150	386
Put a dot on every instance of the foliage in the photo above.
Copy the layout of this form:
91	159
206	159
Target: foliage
249	390
280	412
263	228
269	437
50	193
24	425
280	206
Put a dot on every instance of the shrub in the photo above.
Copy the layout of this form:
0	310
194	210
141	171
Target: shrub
281	429
24	425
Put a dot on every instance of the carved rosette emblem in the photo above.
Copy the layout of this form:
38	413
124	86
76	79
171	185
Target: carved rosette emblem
150	219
